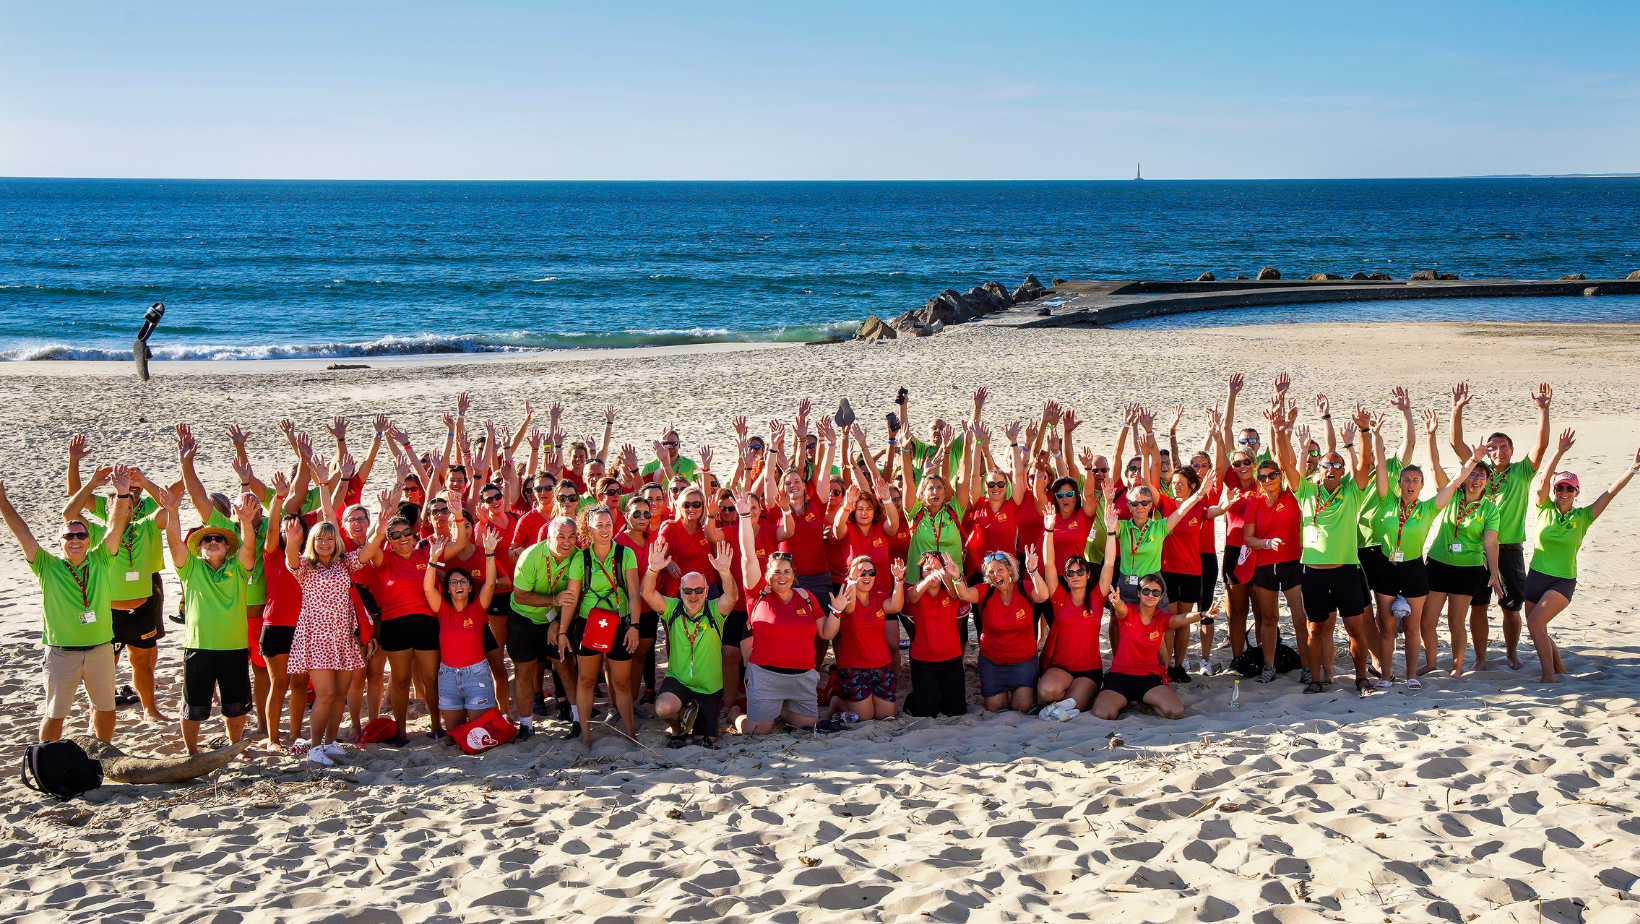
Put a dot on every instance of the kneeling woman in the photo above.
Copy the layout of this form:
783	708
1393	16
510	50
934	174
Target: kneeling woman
1072	665
865	666
1136	674
466	688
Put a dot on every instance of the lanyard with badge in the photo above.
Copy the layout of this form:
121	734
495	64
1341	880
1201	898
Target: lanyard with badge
1457	522
81	578
1405	512
1137	537
128	552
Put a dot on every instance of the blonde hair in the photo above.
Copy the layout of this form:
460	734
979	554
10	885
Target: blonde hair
326	528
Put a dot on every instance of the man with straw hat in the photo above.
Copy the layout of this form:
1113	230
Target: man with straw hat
214	565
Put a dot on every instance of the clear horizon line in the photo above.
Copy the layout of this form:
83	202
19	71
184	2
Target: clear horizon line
298	179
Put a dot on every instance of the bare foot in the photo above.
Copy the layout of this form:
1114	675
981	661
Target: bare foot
1480	665
157	717
1426	669
1515	663
1549	679
1457	671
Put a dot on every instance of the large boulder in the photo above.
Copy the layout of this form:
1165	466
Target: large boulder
983	300
1381	277
1000	291
1030	290
1322	277
873	329
1573	277
1269	272
1449	276
1241	275
1032	281
1635	276
1592	290
1423	276
1358	276
1207	277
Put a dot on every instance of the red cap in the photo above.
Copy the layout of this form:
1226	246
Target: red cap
1566	478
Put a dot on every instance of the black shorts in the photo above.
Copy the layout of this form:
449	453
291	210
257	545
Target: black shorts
1181	587
1512	571
1131	687
1375	565
1333	590
1210	580
1457	580
1227	569
527	641
735	628
1538	584
141	627
416	630
1409	579
649	624
1279	576
490	644
706	721
501	604
1097	675
617	648
207	672
275	640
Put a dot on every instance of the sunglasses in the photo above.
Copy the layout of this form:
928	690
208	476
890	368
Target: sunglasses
1559	489
871	573
1244	463
1246	442
1076	572
400	535
999	485
568	498
82	534
1064	495
670	444
756	447
1270	476
1133	470
1332	465
1149	592
1102	471
491	498
836	492
439	508
212	540
692	591
1314	453
1481	475
1143	503
693	505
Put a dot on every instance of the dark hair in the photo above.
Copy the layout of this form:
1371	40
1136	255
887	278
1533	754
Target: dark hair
402	520
408	512
1156	578
467	515
1189	475
1062	480
287	518
1077	560
1267	463
459	468
1506	439
444	588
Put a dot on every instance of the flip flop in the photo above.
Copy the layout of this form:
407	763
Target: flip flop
126	696
1414	684
845	414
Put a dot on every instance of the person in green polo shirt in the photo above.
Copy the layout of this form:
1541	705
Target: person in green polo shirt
1329	520
535	628
692	691
214	565
1507	487
79	627
1561	529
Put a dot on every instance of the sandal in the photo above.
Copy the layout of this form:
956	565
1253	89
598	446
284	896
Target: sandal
1363	686
1414	684
1314	686
1381	685
830	726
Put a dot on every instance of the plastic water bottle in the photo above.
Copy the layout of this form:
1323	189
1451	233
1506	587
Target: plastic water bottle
1235	695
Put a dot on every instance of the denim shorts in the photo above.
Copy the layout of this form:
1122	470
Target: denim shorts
996	679
470	687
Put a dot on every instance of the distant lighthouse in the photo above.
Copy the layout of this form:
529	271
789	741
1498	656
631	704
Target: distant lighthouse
1137	173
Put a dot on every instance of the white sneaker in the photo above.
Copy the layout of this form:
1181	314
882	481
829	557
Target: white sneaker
1208	668
1049	713
333	749
318	756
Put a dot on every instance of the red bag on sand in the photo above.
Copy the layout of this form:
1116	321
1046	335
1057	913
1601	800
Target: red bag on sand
378	730
487	731
1243	571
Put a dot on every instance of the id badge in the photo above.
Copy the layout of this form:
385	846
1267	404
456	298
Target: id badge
1456	546
1398	557
1133	579
1312	536
132	576
87	618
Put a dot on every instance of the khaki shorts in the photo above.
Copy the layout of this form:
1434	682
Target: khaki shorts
64	671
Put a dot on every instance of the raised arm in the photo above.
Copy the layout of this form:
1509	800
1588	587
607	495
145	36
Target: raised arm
1452	487
1545	476
1380	466
83	494
1050	565
429	580
1284	449
1401	401
249	507
173	529
491	539
1323	407
14	522
1599	505
1460	400
76	451
1541	397
186	448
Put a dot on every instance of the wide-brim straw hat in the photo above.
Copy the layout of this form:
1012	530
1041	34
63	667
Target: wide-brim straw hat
202	532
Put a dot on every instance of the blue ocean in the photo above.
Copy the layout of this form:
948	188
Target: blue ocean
272	269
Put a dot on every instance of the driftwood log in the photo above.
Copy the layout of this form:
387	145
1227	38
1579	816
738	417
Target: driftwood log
120	767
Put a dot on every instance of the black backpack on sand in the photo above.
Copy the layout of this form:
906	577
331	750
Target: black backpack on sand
1251	661
60	768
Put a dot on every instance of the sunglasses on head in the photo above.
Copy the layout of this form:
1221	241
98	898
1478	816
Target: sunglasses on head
1064	495
996	556
692	591
1149	592
780	556
78	534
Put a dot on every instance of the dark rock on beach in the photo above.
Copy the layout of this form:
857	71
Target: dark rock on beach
873	329
1423	276
1381	277
1206	277
1449	276
1000	291
1359	276
1593	290
1635	276
1269	272
1030	290
1241	275
1321	277
1573	277
1058	282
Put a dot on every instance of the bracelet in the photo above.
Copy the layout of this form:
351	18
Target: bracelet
244	484
1014	445
1634	470
281	496
449	433
489	554
745	516
127	495
1326	417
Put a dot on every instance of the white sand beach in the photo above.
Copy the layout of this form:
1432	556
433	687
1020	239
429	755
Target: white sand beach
1488	799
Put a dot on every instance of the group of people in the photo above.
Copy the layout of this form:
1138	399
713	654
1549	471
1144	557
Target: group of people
484	578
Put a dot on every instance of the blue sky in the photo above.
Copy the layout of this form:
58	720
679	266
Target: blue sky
839	90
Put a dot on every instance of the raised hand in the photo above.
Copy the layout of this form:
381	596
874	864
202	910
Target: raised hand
1460	396
1399	399
1236	382
236	434
1012	431
1431	421
286	426
555	412
535	439
381	423
1032	428
1283	382
1086	458
609	414
389	502
803	407
740	427
1323	406
1568	437
491	538
825	430
1178	416
463	402
1302	435
242	471
292	531
1348	432
723	558
705	456
1031	560
165	499
1362	418
1146	419
844	597
122	478
338	427
449	422
980	395
281	484
1375	423
1071	422
77	447
304	447
346	467
659	560
248	508
435	549
1130	415
1050	413
629	456
1543	395
743	502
